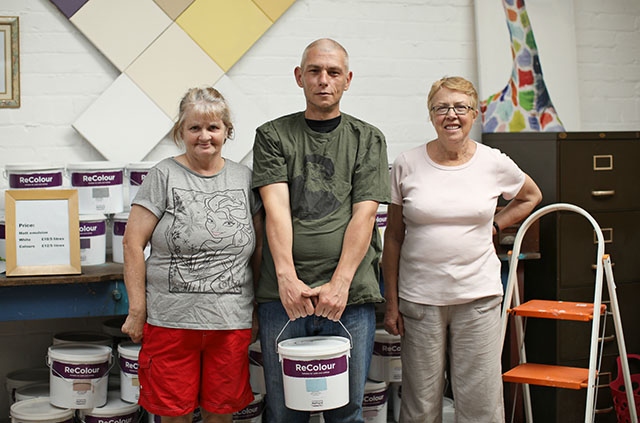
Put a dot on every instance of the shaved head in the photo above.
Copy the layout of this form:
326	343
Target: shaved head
325	44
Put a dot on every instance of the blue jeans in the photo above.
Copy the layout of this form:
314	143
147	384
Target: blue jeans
360	321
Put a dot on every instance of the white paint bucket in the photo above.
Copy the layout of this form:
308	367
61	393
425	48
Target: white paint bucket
256	369
39	410
315	372
448	410
3	238
114	411
117	233
99	186
93	239
129	384
34	175
82	337
23	377
386	365
34	390
374	403
136	172
79	375
252	413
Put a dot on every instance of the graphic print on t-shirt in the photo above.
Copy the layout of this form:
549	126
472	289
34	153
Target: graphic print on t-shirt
311	193
208	233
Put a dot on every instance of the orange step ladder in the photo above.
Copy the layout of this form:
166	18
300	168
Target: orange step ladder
562	376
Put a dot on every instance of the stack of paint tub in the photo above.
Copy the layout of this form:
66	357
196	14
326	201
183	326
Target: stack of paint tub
101	196
385	371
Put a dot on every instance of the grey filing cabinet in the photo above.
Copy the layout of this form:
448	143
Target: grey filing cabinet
600	172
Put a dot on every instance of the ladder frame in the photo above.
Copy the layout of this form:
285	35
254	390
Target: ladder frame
603	265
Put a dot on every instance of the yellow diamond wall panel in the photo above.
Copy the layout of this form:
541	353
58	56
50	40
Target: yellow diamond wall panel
224	29
274	8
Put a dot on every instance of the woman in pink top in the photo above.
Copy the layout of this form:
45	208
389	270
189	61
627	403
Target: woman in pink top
441	272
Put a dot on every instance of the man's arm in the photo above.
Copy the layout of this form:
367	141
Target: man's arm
294	293
333	296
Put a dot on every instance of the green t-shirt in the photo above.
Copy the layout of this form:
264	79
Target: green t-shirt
327	173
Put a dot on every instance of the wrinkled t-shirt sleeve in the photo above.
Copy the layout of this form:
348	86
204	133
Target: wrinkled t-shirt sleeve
371	175
269	165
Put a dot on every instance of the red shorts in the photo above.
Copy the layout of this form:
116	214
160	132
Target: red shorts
181	369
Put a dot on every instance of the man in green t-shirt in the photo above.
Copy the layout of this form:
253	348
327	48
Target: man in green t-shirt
321	174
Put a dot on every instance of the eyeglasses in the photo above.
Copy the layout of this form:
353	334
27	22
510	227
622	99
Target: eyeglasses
458	110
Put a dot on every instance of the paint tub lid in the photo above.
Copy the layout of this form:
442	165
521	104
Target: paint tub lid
383	336
83	353
314	346
33	390
32	166
113	327
255	346
97	165
39	409
129	349
121	216
373	386
82	337
29	375
92	217
141	165
115	406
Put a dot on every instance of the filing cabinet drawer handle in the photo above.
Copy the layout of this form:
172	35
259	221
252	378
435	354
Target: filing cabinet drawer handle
594	267
604	410
607	338
603	193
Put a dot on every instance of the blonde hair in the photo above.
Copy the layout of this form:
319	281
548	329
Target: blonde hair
205	101
455	83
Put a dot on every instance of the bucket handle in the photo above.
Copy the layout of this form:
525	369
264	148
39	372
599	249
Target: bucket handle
339	321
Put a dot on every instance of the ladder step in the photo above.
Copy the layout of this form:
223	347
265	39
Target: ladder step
548	375
559	310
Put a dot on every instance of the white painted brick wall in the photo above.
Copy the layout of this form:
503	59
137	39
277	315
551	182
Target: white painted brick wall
398	48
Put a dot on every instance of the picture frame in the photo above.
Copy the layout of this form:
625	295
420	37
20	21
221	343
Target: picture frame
9	62
42	232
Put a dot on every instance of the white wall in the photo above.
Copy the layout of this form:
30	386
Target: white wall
398	48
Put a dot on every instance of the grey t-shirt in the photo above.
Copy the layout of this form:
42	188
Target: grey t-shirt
198	273
327	173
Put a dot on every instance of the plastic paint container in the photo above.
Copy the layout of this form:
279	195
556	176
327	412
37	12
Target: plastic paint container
99	186
117	233
82	337
315	372
114	411
448	410
374	403
24	377
39	410
3	238
79	375
34	175
129	383
93	239
35	390
252	413
136	173
256	369
386	365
